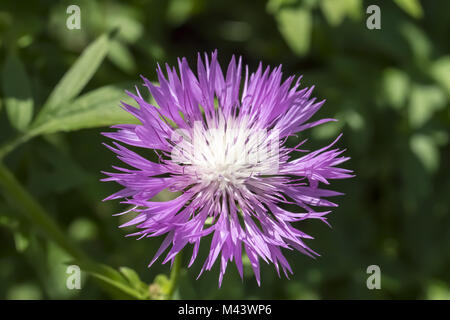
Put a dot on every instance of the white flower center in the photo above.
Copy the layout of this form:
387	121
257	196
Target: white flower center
227	153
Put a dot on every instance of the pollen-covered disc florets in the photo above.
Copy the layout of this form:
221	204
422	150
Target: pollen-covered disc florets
224	149
223	154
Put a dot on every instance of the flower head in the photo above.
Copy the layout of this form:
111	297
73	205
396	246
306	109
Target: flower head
223	148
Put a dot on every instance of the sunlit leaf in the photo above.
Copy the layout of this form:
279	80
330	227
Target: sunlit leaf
130	274
412	7
424	102
16	89
274	5
179	11
438	291
78	75
354	119
18	226
418	41
336	10
24	291
163	282
121	57
112	279
395	87
21	240
426	151
328	130
98	108
295	25
124	19
83	229
134	279
441	137
440	71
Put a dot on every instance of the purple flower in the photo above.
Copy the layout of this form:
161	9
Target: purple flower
224	149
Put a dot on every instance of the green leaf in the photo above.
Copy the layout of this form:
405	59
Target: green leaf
134	280
440	71
179	11
125	19
328	130
96	108
82	229
17	91
25	291
21	241
130	275
396	86
438	290
20	199
426	150
425	100
295	25
112	278
336	10
78	75
418	41
160	288
354	119
274	5
412	7
6	221
163	282
18	225
121	57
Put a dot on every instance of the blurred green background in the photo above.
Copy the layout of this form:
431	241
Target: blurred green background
389	88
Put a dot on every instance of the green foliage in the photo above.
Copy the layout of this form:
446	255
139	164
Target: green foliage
335	11
412	7
124	284
17	91
396	87
78	75
440	70
426	150
97	108
389	89
295	25
424	102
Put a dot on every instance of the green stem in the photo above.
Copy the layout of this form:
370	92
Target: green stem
11	145
174	275
18	197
